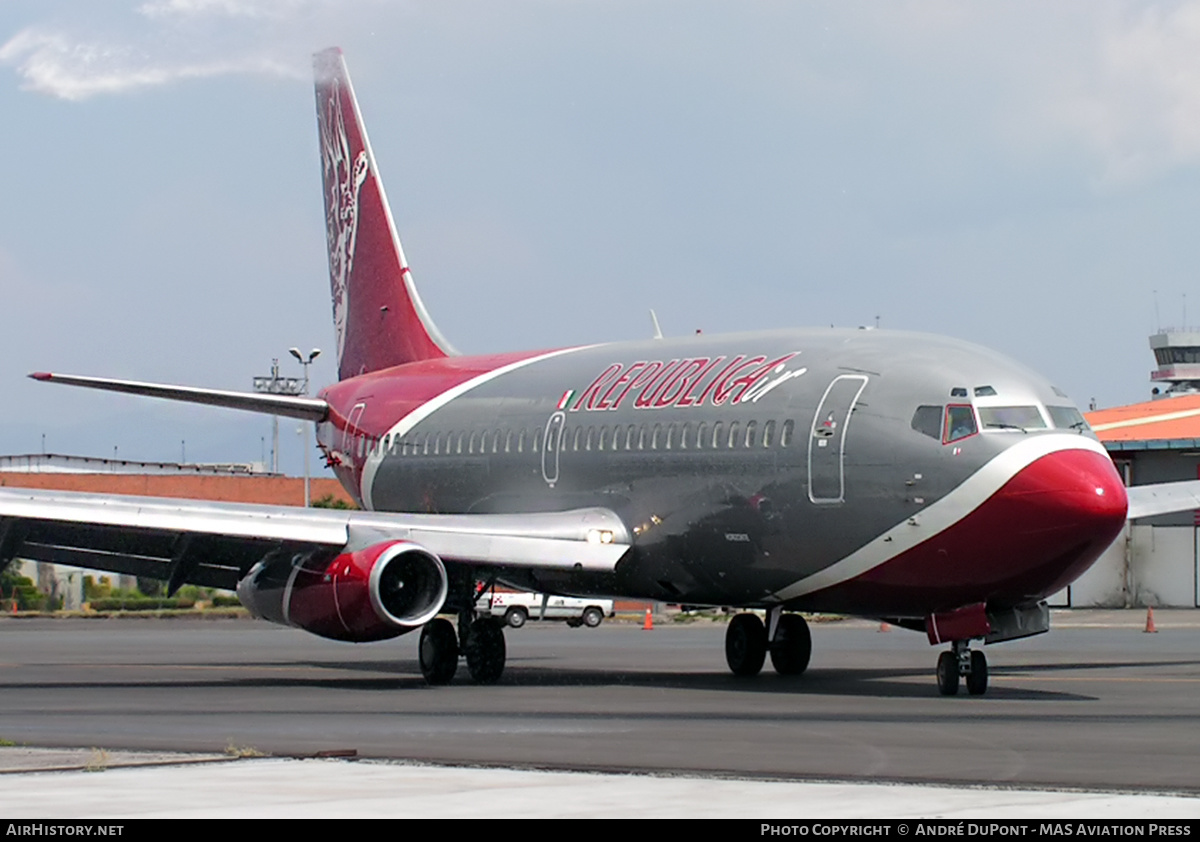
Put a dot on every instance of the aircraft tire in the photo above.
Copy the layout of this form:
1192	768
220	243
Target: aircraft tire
745	644
485	650
792	646
977	678
947	674
516	617
438	651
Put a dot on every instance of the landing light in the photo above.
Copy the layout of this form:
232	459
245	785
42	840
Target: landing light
599	536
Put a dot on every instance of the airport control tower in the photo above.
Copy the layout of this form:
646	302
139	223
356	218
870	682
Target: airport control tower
1177	353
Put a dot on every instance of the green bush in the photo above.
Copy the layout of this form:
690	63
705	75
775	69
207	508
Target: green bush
24	591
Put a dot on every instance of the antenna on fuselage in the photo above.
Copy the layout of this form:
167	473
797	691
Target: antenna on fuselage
658	334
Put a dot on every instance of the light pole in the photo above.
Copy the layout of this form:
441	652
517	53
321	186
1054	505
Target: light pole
295	352
277	385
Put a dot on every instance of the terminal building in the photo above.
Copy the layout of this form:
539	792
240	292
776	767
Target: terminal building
229	483
1155	562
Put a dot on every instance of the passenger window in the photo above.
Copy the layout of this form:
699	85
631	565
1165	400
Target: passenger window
591	437
789	428
537	440
928	421
750	429
521	442
718	435
508	441
566	435
769	434
701	433
629	434
459	447
642	437
733	435
603	437
654	437
960	422
670	435
578	434
472	443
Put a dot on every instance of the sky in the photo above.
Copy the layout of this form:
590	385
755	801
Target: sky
1024	175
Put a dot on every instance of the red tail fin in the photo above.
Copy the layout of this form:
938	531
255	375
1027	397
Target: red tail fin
377	313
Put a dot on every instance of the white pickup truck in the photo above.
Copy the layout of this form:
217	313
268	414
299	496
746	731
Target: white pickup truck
518	608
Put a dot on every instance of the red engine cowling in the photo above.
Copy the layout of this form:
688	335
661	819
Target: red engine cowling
376	593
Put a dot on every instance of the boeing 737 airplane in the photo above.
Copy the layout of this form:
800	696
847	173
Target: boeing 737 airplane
916	479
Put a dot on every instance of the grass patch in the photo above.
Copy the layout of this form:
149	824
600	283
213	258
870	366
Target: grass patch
234	750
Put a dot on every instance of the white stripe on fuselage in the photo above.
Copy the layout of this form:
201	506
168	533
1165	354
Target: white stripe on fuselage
401	427
943	514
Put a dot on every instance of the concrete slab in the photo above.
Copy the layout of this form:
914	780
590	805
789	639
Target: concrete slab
276	788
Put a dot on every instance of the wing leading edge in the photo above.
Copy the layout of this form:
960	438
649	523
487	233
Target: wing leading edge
216	544
1162	498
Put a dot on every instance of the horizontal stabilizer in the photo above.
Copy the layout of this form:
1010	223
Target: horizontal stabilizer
291	406
1163	498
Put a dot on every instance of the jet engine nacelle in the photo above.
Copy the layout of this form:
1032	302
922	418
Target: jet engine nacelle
375	593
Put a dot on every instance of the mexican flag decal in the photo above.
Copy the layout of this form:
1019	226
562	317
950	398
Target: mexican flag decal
566	398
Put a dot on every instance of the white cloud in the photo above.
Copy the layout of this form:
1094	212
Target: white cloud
55	64
1139	108
157	42
226	8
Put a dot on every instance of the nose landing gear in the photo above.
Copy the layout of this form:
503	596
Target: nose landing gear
961	662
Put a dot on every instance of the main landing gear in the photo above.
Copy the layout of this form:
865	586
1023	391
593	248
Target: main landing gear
960	661
747	642
479	639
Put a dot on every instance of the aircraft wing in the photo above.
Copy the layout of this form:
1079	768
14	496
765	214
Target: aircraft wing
215	544
1162	498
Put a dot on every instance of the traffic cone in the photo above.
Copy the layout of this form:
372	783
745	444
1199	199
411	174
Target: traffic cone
885	627
1150	629
648	625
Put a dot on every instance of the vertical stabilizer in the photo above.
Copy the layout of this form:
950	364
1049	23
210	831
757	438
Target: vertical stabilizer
377	313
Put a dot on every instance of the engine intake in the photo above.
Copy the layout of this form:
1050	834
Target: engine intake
375	593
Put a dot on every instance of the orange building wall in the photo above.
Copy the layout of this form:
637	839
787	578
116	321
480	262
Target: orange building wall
286	491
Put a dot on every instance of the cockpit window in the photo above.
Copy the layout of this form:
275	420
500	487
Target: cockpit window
960	422
928	420
958	392
1011	418
1067	418
984	391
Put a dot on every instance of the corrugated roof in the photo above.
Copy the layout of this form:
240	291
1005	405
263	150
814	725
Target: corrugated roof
1167	419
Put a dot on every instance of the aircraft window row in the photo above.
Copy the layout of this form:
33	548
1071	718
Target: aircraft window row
945	423
1011	418
955	422
1067	418
960	422
686	436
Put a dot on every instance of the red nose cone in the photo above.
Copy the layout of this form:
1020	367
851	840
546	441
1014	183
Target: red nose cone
1031	538
1066	508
